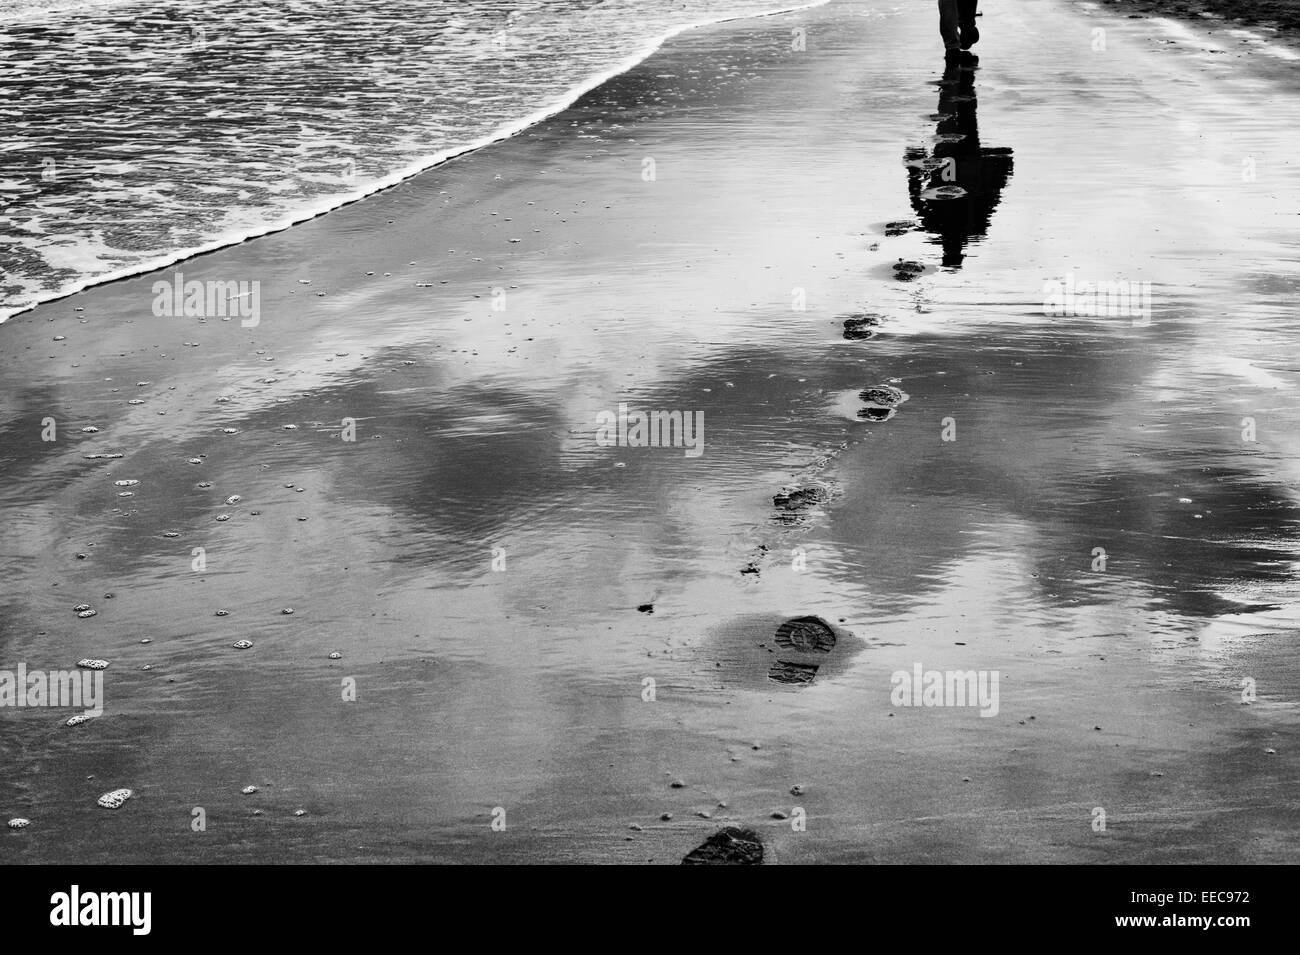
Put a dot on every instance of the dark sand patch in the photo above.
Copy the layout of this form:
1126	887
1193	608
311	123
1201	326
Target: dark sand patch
1283	14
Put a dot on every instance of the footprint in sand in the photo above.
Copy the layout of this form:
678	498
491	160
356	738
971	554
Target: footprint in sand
795	505
806	637
886	395
803	497
882	402
758	650
754	565
906	271
862	326
792	674
730	846
806	634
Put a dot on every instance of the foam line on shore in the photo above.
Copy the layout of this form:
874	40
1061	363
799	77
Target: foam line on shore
411	170
24	15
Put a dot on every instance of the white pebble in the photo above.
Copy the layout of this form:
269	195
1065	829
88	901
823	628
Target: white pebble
115	799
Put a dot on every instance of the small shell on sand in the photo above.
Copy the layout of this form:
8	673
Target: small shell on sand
300	812
248	790
287	611
336	655
89	664
126	482
242	644
115	799
234	499
78	719
19	823
80	607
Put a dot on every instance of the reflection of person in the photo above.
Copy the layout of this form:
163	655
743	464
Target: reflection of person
957	159
957	27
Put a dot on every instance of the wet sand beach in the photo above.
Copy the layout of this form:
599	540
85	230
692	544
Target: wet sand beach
583	640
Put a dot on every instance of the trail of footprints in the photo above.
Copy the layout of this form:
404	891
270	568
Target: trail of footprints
802	640
795	504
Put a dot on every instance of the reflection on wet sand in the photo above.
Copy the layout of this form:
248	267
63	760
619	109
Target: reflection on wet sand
521	683
956	185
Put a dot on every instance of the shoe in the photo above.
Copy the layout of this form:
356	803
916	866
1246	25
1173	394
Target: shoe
969	36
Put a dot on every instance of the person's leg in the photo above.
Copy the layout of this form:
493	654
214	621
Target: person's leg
950	25
970	34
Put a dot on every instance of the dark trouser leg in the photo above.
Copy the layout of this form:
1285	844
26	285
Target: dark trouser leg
966	12
949	21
